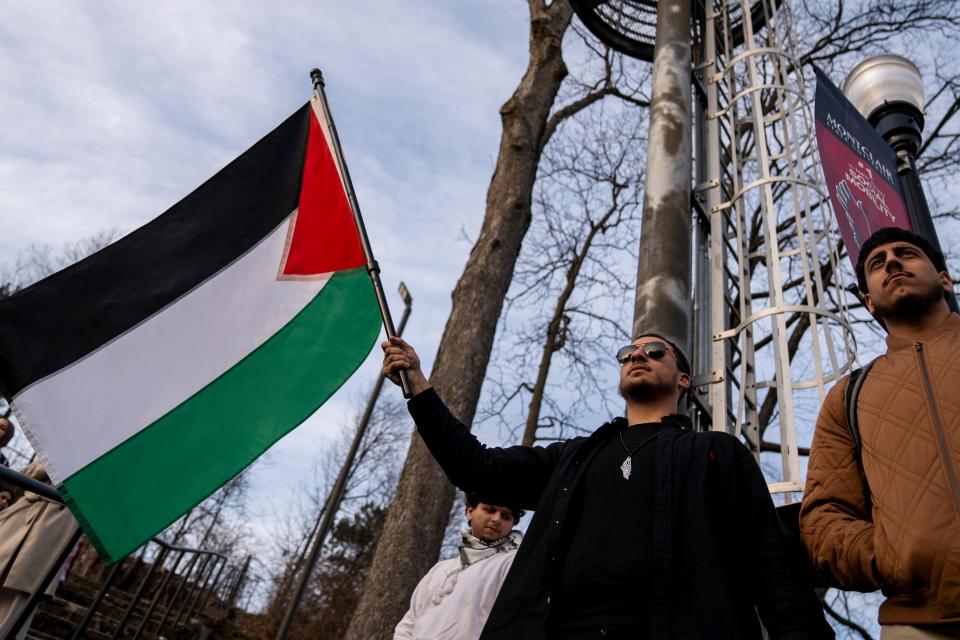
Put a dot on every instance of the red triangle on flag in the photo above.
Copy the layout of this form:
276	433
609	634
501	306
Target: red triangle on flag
324	237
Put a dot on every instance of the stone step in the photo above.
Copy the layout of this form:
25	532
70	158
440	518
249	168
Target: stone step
58	617
40	630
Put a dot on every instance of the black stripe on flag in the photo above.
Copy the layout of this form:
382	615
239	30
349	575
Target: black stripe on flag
73	312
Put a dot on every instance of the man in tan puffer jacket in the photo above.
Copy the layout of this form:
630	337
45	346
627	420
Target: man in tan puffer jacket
908	543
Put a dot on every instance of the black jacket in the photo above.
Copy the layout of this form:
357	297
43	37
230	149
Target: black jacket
719	551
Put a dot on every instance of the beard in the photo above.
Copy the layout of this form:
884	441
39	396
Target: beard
639	392
912	306
629	392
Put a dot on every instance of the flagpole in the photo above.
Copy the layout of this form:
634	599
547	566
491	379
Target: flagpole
373	268
326	516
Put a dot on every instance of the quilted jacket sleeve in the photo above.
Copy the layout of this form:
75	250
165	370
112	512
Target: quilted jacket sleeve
834	522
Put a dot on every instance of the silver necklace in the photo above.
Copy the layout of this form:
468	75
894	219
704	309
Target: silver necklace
627	467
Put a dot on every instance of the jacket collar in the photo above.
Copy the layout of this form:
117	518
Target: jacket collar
673	420
951	323
473	549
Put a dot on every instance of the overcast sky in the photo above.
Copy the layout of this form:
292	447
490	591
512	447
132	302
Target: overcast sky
111	112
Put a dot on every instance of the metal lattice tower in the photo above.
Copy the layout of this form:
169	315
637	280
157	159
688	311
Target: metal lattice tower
771	333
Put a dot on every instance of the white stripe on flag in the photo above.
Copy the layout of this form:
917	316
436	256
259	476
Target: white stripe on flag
85	410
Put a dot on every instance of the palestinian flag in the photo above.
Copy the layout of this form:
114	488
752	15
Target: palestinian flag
152	372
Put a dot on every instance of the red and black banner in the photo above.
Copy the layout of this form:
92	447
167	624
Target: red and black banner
860	169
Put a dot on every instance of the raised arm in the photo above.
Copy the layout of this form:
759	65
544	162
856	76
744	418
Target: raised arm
512	475
397	356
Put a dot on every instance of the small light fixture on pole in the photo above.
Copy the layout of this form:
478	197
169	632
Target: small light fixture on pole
888	91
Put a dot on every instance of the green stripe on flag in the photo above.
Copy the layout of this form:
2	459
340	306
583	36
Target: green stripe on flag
143	485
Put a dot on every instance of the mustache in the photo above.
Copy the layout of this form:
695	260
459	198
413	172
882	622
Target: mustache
891	276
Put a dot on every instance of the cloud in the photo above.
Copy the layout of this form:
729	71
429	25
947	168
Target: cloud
111	112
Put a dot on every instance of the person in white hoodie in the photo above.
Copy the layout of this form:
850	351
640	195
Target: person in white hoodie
453	600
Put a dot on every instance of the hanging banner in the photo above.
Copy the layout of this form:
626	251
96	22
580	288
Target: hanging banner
860	169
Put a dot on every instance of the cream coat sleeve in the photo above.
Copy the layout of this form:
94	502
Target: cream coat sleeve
405	628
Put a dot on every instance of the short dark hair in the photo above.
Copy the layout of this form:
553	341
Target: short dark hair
682	363
8	435
895	234
473	499
14	494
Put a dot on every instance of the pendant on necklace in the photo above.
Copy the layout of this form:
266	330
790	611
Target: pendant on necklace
627	468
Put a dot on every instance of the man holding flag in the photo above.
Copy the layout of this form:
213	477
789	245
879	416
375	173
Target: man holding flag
644	529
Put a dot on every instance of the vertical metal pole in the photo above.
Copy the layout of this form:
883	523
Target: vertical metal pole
176	594
88	616
663	273
191	600
339	488
715	319
917	207
224	587
213	587
218	562
157	595
238	585
373	268
193	588
161	557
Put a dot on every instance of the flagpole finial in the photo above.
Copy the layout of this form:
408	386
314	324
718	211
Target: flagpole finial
317	76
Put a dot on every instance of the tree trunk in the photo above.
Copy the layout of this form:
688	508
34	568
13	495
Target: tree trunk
413	532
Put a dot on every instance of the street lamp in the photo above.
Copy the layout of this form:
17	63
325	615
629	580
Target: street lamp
888	91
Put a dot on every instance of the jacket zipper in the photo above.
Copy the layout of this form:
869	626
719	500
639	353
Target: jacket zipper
938	425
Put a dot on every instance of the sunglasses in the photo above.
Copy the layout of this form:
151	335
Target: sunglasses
653	350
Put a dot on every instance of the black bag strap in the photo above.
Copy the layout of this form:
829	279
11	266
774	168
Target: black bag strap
850	398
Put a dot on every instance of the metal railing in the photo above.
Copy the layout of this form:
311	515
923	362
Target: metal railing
204	576
194	588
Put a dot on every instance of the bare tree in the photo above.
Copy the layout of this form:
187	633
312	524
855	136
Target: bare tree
573	275
334	587
219	522
37	261
34	263
529	119
537	109
839	606
837	36
833	33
